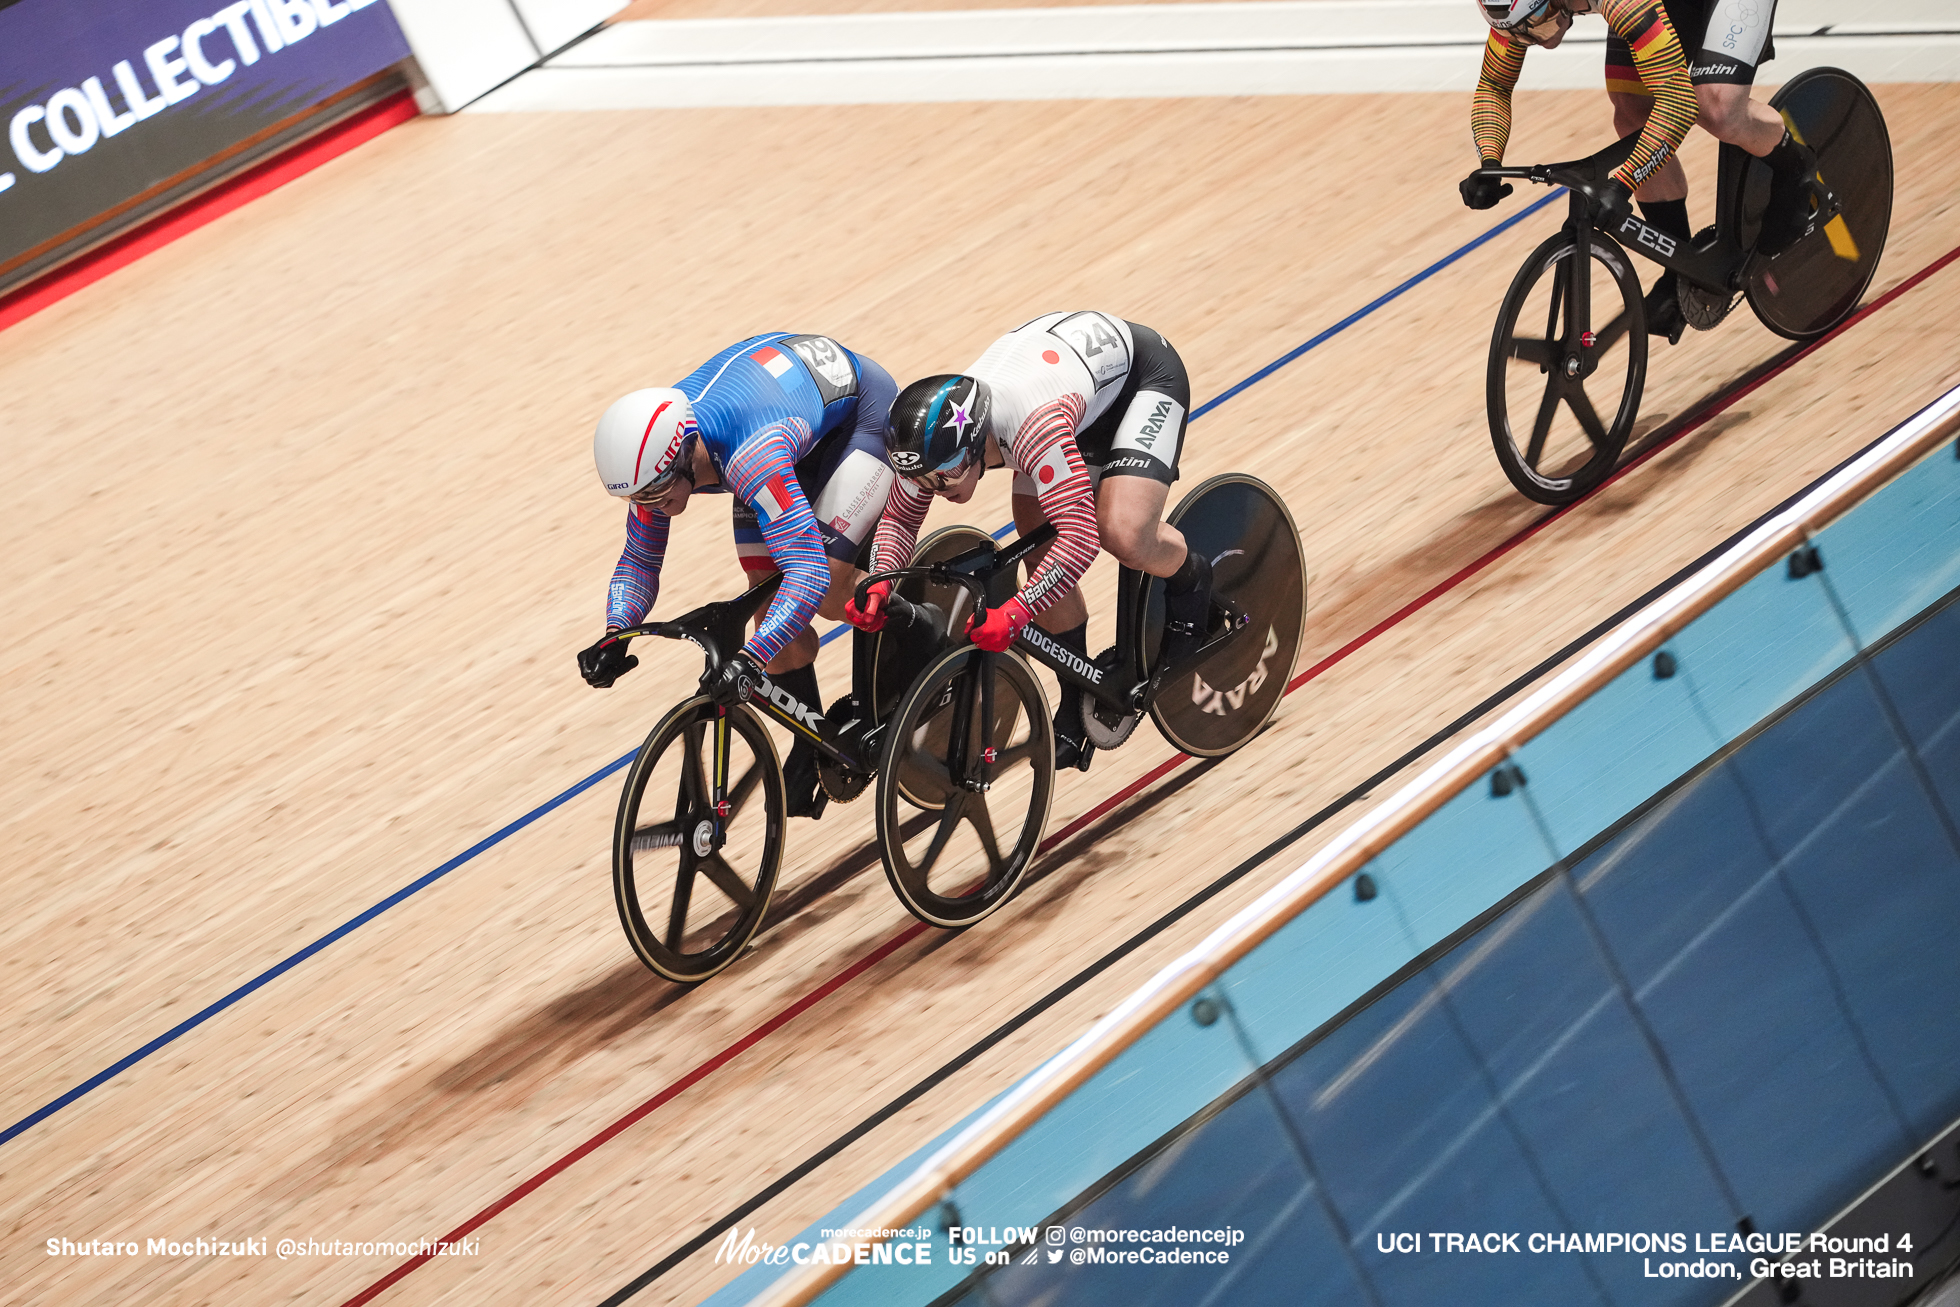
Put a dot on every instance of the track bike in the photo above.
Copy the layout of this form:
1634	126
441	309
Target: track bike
1569	447
698	840
1209	703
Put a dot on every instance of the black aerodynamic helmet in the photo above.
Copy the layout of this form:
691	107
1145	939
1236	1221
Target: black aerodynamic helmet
938	425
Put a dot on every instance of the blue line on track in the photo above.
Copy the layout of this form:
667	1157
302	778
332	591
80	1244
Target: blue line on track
1370	307
351	925
490	841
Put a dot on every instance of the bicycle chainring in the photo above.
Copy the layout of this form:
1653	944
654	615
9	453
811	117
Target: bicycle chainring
841	783
1704	308
1097	723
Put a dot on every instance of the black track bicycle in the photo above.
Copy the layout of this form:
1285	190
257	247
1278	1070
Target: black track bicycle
1208	704
699	836
1575	390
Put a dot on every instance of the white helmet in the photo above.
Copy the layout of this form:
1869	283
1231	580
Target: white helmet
641	441
1504	15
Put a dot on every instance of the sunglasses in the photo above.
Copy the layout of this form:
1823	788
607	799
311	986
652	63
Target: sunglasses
1542	28
940	482
653	493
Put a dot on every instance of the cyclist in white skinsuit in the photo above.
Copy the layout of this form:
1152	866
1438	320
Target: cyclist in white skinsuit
1089	411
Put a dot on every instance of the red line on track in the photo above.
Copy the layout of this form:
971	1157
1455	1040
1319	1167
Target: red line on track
1162	769
261	179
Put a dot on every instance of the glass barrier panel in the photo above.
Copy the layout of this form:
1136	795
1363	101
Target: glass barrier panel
1638	733
1759	649
1898	551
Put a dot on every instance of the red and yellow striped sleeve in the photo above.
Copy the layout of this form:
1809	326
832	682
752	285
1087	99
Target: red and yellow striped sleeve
1490	108
1663	69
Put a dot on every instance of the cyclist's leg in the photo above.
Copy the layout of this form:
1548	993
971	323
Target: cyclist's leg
1723	59
1664	195
1736	43
846	480
1138	456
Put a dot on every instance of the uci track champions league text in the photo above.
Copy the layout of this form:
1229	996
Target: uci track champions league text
1671	1255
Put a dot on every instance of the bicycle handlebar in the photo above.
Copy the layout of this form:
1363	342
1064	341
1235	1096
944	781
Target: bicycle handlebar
970	570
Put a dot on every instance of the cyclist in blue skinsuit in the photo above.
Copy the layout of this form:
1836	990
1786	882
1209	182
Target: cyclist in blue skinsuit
794	427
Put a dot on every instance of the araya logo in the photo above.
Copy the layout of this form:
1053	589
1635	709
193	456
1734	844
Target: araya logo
1155	426
1216	701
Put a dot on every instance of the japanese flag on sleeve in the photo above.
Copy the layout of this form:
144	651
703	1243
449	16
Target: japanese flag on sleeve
1056	465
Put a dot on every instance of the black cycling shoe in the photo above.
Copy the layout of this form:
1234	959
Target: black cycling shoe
1072	752
1187	619
1664	316
1796	198
801	797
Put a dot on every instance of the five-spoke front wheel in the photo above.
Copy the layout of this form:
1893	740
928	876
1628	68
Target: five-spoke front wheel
699	840
1563	393
974	730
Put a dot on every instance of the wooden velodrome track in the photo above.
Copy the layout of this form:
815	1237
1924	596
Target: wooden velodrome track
300	533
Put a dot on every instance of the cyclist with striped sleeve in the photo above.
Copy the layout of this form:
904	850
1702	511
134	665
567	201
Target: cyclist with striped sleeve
1669	65
1088	412
793	427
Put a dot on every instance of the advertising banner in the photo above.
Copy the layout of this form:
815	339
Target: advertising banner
104	99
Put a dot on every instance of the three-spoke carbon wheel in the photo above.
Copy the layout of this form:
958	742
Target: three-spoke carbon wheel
1562	403
699	840
973	739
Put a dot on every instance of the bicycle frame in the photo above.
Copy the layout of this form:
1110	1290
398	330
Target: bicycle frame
1126	686
717	628
1718	266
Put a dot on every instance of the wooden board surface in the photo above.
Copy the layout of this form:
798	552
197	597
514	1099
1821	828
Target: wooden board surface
794	8
300	533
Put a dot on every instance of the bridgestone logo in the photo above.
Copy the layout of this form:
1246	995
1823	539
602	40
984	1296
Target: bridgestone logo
1087	670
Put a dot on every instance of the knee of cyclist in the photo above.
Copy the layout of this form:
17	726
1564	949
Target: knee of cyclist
1127	544
1721	116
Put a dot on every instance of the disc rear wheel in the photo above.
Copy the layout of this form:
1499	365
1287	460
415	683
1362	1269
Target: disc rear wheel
973	733
1562	394
698	840
1243	526
1816	283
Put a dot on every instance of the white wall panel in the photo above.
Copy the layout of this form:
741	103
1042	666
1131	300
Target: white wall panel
465	47
553	23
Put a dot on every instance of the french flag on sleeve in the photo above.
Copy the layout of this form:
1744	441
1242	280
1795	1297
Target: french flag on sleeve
772	500
773	361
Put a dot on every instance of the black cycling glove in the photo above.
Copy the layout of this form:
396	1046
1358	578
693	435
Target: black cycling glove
605	662
732	683
1482	191
1615	203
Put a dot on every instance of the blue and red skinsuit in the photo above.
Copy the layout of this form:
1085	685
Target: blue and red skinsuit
760	410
